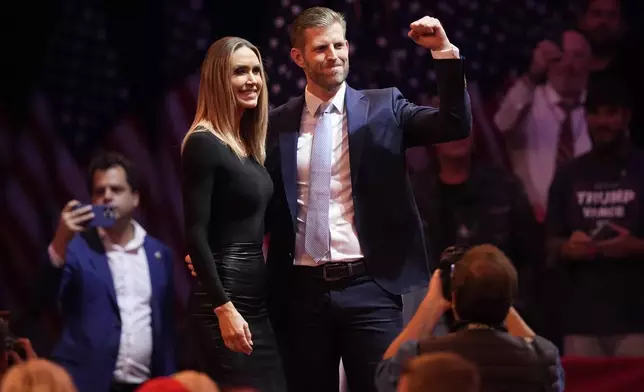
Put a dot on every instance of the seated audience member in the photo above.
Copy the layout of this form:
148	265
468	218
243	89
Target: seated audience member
488	331
595	229
439	372
37	375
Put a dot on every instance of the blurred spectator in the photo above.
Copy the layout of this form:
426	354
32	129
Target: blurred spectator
595	226
465	202
544	124
440	372
614	54
37	375
162	384
186	381
490	333
196	382
114	284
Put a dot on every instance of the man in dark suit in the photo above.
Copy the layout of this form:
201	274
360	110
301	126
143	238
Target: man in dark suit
345	237
115	288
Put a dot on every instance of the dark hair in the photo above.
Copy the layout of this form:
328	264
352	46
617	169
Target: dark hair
585	4
108	160
484	286
606	91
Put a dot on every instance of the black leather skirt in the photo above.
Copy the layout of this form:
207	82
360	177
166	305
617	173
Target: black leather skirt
242	272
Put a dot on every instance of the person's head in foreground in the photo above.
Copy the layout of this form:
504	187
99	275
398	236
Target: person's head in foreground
37	375
185	381
484	286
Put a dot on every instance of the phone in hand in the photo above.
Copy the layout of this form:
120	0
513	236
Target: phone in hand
603	231
104	216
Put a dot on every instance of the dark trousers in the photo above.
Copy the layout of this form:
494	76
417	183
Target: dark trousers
353	319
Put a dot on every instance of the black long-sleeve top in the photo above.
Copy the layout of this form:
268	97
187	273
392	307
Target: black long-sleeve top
224	200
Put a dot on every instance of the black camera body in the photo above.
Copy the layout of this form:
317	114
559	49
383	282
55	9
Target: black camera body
450	256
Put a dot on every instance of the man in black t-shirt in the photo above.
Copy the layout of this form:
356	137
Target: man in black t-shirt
595	230
465	202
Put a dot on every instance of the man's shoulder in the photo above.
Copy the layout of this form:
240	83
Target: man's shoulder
379	93
155	242
546	346
85	243
288	106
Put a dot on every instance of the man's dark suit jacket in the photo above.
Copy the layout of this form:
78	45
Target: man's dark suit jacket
91	321
382	124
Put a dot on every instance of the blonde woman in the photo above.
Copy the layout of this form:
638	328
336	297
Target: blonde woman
226	190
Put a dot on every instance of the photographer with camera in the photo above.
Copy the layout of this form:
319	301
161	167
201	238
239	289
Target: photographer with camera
114	285
482	285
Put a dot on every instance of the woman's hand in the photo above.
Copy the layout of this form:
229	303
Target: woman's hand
234	329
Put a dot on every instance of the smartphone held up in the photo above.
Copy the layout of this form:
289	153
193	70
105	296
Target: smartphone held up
104	216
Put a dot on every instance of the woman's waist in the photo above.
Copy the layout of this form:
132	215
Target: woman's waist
238	251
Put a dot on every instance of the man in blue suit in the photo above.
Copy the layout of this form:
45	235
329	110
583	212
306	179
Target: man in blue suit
114	286
345	236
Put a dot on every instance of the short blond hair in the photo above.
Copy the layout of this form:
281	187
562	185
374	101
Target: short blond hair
311	18
37	375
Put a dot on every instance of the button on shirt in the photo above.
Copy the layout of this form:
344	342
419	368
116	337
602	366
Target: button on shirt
131	275
345	246
344	239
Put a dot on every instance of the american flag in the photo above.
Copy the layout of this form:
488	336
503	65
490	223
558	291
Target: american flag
98	90
86	100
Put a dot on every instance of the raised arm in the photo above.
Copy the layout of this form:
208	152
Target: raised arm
453	119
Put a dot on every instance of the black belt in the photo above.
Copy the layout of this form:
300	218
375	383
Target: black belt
335	271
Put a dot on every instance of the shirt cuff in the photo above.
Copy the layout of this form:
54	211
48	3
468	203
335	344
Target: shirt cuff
449	53
54	257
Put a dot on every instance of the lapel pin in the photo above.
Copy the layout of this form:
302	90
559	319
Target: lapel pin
157	255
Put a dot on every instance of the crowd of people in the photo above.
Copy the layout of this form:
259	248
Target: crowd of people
324	182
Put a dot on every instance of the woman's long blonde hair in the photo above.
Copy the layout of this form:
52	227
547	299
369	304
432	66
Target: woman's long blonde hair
217	104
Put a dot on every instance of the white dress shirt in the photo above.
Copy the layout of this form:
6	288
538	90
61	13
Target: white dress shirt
130	273
345	246
532	137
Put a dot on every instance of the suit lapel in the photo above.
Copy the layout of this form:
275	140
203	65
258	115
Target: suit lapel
154	257
289	132
357	108
100	264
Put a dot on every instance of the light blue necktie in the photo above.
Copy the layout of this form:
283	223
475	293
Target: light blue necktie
317	235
